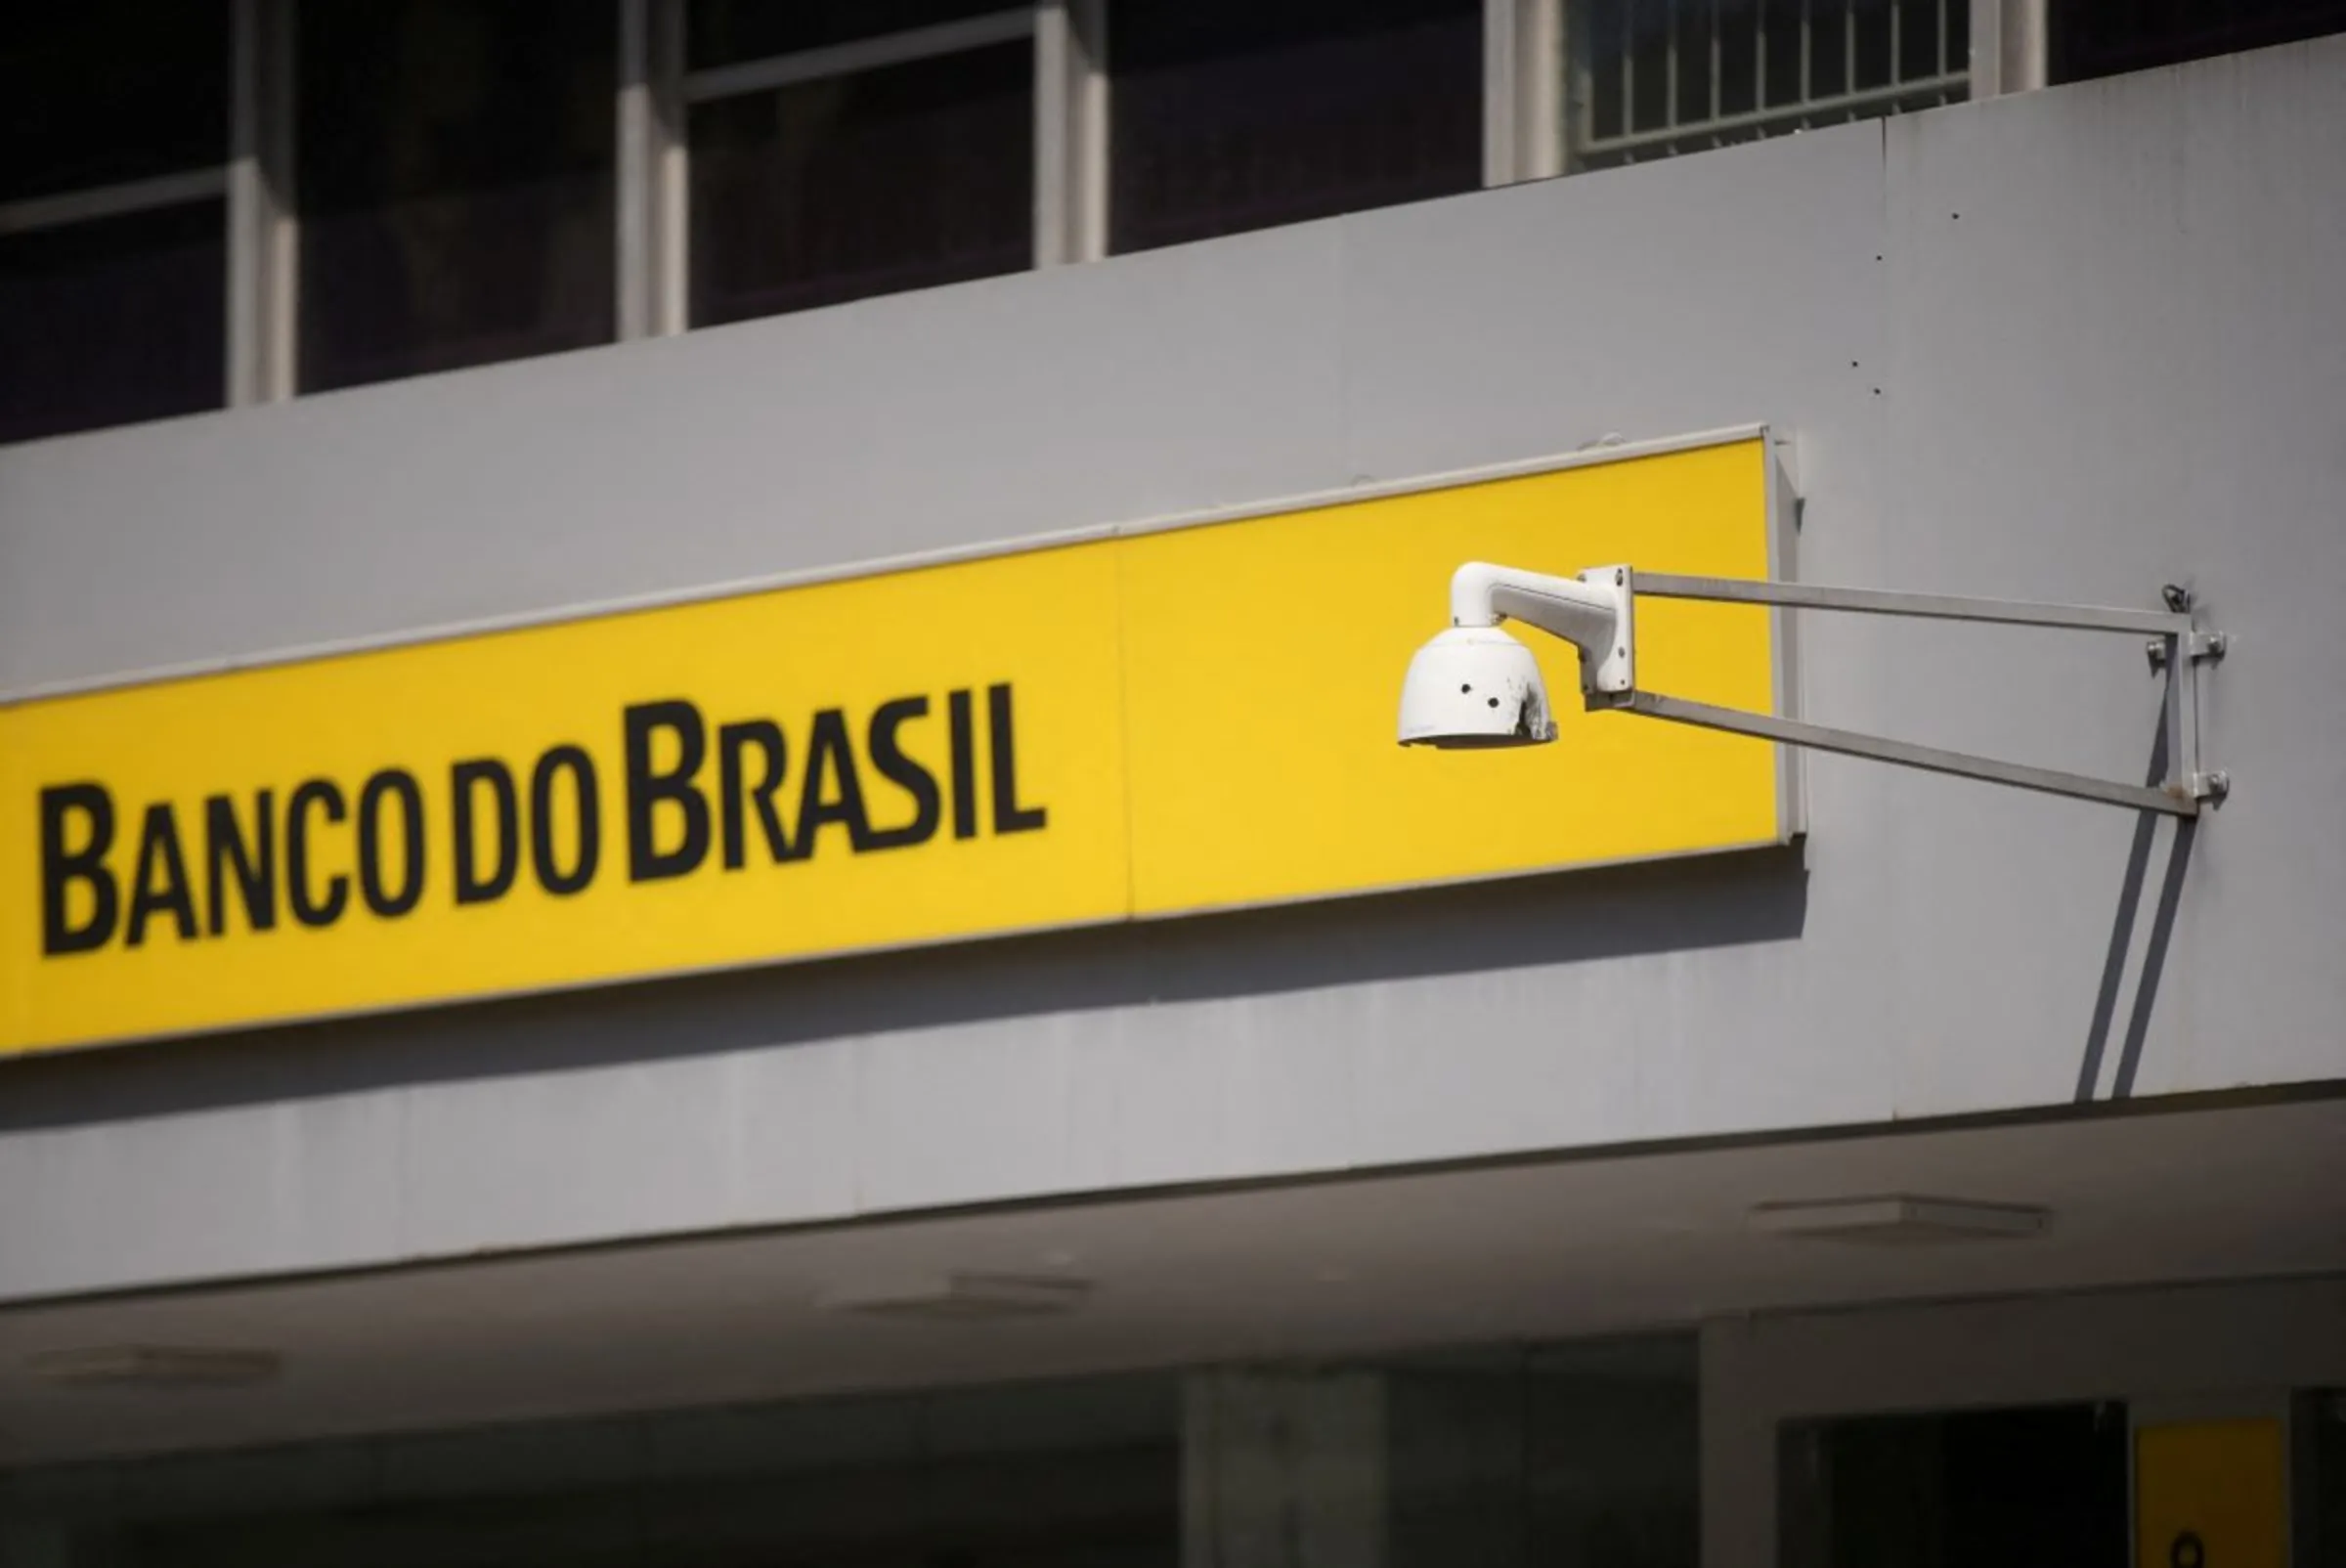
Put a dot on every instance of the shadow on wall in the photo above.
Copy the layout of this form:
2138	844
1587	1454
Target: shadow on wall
2121	942
1712	901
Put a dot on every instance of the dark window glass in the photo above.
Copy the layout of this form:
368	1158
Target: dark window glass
1234	115
455	173
2031	1488
1501	1457
111	321
724	32
1738	64
1061	1475
1575	1455
2104	37
97	91
1922	44
1869	46
1785	54
899	178
2322	1417
1831	45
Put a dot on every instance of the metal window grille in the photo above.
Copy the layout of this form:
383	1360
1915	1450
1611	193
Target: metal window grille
1651	78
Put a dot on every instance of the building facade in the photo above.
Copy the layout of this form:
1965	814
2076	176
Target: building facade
1511	1210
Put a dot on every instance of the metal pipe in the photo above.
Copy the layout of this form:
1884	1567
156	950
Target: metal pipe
1928	606
1902	754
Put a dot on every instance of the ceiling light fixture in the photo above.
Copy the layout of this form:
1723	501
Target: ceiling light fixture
1899	1220
959	1297
153	1366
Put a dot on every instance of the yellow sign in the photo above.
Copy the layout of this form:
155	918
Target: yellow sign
2211	1495
1138	724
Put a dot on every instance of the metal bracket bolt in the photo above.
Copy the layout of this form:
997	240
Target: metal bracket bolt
2200	647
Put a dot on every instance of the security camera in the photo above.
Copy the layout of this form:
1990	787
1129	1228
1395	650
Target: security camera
1474	685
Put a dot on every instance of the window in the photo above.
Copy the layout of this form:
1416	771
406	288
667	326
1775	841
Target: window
856	164
455	184
2104	37
114	248
1653	79
1232	115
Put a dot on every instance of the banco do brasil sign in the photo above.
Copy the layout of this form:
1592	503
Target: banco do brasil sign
1146	723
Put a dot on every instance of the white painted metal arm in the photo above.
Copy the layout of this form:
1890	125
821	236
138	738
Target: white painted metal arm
2181	646
1591	612
1596	611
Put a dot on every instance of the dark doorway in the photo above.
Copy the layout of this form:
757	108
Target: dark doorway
2042	1487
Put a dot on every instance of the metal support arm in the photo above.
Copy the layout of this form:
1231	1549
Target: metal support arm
2179	646
1926	606
1931	759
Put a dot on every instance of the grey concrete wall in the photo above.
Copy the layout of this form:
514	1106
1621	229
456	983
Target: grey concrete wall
2067	345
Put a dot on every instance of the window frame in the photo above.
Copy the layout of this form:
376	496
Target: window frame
658	93
238	181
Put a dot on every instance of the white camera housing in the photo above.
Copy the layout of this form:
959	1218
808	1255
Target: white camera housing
1474	685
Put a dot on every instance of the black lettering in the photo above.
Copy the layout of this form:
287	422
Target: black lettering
472	888
646	790
575	761
380	897
829	750
319	794
62	868
965	764
158	849
889	759
254	865
1009	815
732	741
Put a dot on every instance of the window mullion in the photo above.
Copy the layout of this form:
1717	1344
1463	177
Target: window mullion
1070	132
652	150
1523	90
262	221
